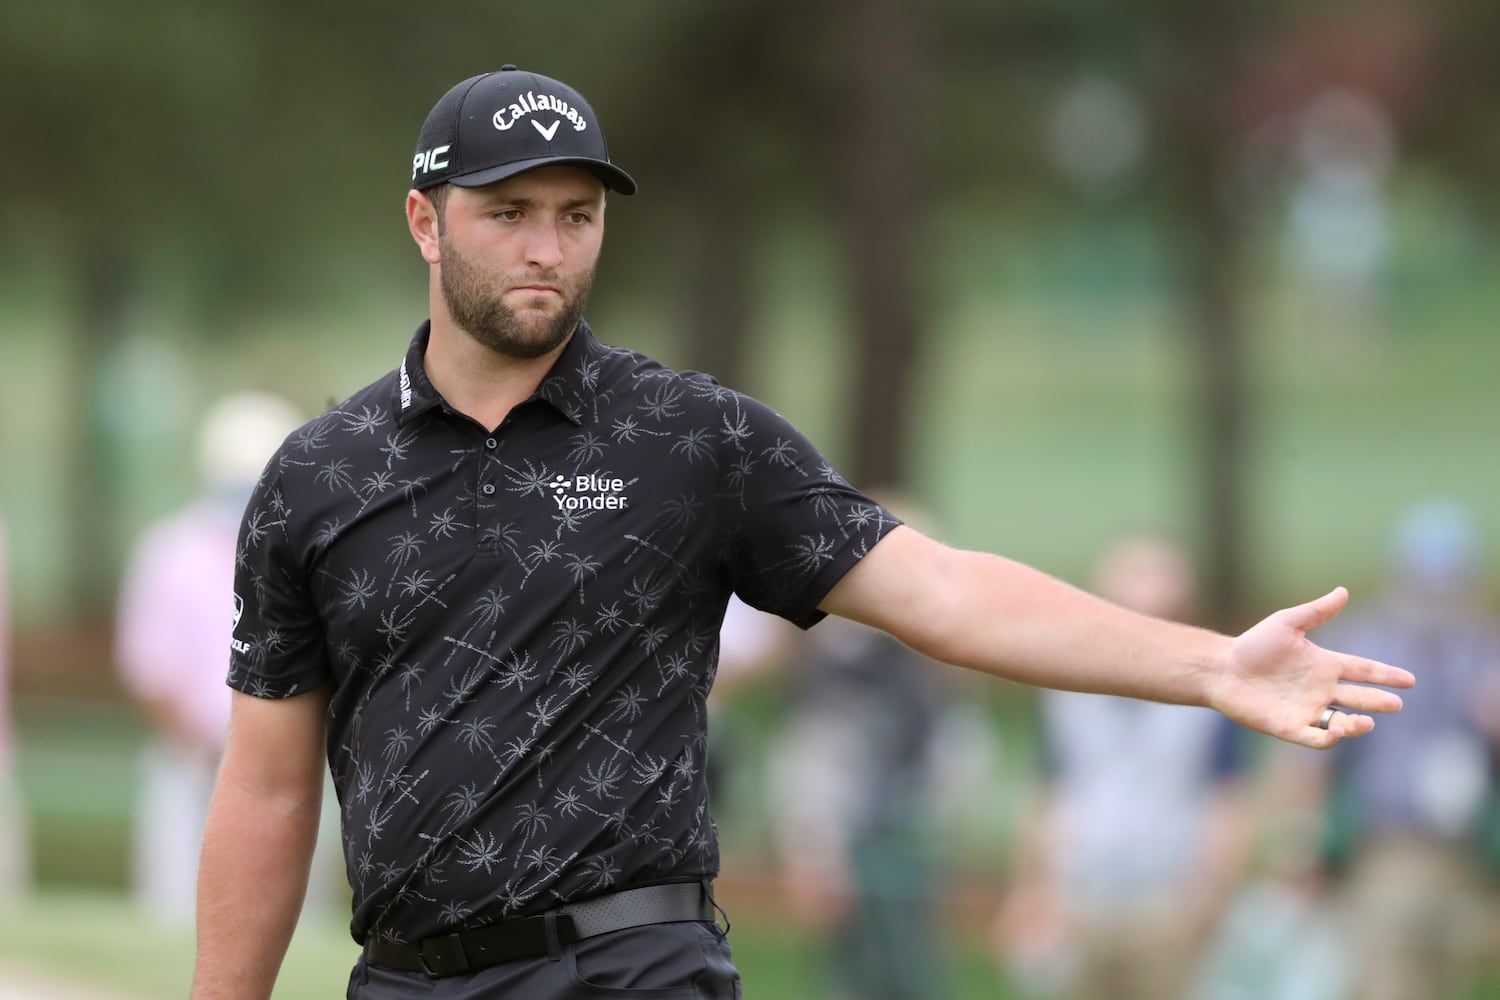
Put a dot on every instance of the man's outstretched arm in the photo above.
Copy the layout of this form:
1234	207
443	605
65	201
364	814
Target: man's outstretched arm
258	844
1002	617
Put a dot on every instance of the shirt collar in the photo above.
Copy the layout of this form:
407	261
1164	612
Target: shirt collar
567	387
415	394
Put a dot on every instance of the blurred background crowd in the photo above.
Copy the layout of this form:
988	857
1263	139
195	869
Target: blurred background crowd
1188	304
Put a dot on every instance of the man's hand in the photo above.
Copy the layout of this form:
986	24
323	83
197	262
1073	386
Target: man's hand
1277	681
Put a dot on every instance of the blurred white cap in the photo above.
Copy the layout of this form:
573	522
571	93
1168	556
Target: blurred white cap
239	434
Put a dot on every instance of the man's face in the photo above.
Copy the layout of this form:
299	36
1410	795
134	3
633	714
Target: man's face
518	258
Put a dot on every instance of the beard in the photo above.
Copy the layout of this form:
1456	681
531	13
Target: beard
476	306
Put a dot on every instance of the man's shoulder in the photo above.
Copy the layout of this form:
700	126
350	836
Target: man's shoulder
363	419
376	404
634	374
624	363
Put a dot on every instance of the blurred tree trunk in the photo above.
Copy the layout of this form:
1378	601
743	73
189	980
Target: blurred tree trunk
719	311
1196	108
878	197
1216	329
103	283
721	188
719	314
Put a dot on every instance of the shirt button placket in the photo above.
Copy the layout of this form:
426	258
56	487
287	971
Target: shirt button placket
489	467
487	494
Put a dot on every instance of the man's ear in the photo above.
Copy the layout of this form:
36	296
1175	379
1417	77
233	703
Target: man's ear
422	220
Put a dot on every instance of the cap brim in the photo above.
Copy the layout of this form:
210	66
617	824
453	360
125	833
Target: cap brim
613	177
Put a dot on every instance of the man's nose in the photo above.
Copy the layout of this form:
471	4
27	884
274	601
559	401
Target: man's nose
543	248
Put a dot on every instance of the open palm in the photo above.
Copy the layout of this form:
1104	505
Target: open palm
1278	681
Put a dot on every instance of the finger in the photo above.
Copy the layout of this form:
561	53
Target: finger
1314	738
1309	616
1366	699
1347	725
1363	671
1343	725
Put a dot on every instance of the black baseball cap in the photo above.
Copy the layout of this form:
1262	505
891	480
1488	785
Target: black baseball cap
497	125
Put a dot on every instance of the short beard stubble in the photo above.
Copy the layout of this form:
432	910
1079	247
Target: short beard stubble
478	309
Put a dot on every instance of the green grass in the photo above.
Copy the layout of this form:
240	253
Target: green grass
95	937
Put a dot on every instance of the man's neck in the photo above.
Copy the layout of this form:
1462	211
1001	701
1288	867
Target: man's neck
478	382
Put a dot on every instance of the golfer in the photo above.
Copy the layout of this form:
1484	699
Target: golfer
487	589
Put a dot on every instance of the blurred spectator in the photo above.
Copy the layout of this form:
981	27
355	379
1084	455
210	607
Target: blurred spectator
752	644
853	810
1281	938
176	613
1407	810
1138	837
853	803
1339	214
14	854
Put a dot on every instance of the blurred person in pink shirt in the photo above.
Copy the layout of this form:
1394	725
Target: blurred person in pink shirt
175	617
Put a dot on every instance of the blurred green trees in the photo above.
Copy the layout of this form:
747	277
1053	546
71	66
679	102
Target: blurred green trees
246	158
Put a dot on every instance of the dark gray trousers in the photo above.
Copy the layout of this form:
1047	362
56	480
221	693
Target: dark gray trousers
689	960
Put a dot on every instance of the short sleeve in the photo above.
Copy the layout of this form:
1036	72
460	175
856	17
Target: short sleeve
277	648
795	526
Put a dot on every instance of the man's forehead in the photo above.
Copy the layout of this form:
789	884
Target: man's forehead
553	182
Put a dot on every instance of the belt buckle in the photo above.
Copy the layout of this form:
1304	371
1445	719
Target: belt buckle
444	949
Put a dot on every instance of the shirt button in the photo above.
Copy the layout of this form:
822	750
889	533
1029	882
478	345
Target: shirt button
489	489
491	443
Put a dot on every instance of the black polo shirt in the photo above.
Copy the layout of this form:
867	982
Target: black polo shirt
520	625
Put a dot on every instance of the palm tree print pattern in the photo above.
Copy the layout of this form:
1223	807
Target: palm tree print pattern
519	624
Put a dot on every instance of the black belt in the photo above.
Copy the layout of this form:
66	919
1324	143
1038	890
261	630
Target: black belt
527	937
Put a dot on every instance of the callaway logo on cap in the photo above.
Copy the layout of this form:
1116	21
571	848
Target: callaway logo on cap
496	125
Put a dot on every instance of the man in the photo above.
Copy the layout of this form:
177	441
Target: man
1141	828
852	801
1409	816
489	587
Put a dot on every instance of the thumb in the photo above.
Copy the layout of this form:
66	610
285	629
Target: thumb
1306	617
